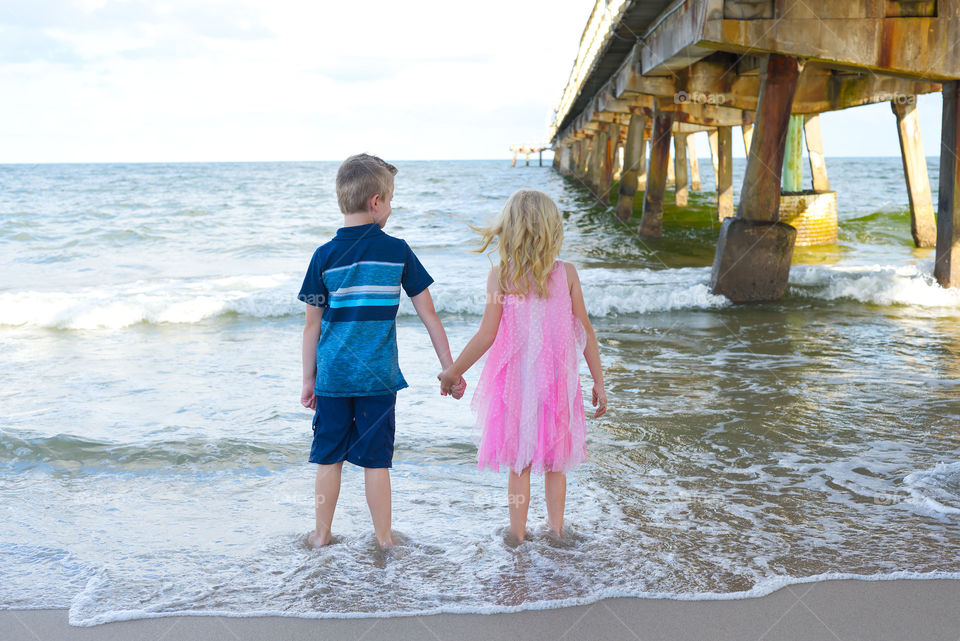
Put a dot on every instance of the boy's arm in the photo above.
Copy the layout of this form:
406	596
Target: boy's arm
592	351
483	339
311	335
423	303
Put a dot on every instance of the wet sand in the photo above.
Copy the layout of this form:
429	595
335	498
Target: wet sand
831	610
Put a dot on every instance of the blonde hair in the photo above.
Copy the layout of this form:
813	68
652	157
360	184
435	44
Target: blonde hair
528	234
361	177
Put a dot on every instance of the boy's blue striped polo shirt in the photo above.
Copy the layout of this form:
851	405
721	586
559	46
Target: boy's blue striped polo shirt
356	278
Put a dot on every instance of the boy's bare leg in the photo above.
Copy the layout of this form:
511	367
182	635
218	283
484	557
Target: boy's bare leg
327	492
555	487
377	482
518	501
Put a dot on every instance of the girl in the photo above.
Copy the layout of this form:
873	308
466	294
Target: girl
528	401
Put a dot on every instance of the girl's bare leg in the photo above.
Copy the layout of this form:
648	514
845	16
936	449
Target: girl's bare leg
327	489
377	482
555	487
518	500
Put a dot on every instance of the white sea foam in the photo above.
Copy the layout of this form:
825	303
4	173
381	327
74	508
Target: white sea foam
160	301
911	284
86	609
936	490
608	292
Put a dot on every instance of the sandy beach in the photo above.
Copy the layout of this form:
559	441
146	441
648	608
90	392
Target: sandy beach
831	610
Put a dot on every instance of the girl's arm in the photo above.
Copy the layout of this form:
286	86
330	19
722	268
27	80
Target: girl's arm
592	351
311	335
423	303
482	340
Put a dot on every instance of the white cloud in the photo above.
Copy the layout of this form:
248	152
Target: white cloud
107	80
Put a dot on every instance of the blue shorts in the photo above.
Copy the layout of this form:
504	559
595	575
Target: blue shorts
358	429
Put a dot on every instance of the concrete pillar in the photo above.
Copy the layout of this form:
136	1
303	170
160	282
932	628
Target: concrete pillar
597	160
651	222
681	184
754	250
818	163
671	173
557	152
793	156
633	158
618	162
946	269
642	165
724	137
923	225
694	163
586	151
609	153
712	139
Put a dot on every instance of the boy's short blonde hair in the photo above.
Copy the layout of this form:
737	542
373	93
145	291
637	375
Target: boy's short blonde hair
361	177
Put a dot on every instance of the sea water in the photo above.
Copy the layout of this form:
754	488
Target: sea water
153	448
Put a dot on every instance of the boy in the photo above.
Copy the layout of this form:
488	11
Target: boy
350	370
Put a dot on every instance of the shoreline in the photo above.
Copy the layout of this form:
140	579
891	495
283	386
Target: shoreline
927	609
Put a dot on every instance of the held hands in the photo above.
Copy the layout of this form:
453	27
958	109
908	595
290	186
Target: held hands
455	386
599	400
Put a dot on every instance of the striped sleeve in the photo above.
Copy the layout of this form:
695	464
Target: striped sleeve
415	278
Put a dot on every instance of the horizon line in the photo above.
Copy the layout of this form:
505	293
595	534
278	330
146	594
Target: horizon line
210	162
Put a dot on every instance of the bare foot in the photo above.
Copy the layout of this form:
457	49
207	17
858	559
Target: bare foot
315	540
386	542
518	538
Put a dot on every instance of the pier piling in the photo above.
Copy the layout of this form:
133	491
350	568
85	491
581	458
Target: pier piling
793	156
651	220
747	130
724	137
608	160
923	224
598	160
752	261
947	265
818	164
694	163
681	181
633	152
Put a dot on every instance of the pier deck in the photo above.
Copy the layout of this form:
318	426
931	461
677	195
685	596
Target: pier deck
656	70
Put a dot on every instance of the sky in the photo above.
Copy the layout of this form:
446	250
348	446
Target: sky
248	80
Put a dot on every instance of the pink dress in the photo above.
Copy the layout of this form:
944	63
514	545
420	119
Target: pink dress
528	402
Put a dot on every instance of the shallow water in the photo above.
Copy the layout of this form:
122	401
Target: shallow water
152	447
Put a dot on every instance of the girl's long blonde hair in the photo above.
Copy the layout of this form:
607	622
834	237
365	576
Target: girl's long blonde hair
528	234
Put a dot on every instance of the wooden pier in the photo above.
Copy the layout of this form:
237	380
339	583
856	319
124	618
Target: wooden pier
659	70
527	150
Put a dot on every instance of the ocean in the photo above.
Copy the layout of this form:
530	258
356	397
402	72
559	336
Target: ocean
153	448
